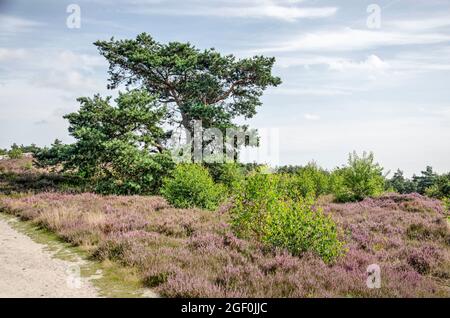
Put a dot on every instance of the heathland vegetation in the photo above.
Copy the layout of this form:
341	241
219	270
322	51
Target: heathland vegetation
203	229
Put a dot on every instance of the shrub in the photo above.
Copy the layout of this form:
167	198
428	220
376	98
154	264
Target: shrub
133	171
15	153
312	180
268	208
425	180
441	187
446	204
191	185
298	227
228	174
360	179
400	184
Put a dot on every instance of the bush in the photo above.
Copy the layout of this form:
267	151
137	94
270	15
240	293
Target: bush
191	185
312	180
298	227
441	187
228	174
15	153
400	184
267	208
360	179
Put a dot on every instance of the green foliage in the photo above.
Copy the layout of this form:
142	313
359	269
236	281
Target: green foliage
446	202
3	152
268	208
361	178
400	184
312	180
195	84
30	149
118	147
289	169
15	152
426	180
51	157
191	185
440	188
228	174
300	228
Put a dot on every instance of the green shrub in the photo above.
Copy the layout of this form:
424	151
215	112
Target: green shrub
267	208
446	202
251	203
312	180
228	174
190	186
15	153
300	228
400	184
441	187
359	179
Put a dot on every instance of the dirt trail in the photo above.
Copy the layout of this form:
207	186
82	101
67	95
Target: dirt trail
28	270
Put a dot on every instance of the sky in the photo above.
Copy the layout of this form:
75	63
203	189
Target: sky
357	75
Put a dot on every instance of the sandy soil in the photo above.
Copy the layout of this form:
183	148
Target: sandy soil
28	270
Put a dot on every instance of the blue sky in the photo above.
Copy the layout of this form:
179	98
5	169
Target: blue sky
346	85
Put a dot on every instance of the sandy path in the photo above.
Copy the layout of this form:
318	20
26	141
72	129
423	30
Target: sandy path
27	270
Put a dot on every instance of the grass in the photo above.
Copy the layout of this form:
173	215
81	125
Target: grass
142	241
193	253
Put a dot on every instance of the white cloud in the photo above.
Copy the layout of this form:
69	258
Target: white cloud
310	91
420	24
59	69
349	39
372	64
12	24
311	117
286	10
12	54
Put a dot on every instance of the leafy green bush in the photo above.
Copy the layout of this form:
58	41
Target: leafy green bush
268	208
440	188
400	184
447	205
15	153
228	174
190	186
312	180
359	179
300	228
133	171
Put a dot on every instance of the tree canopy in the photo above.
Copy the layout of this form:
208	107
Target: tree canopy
194	84
123	147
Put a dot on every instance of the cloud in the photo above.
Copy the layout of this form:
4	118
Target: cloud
348	39
12	54
12	24
371	64
60	69
262	9
310	91
420	24
311	117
